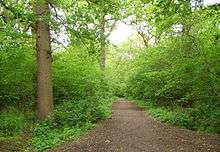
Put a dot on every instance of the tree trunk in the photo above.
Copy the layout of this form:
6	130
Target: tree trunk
44	60
102	49
102	56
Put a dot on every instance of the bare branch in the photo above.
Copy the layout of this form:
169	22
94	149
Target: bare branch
55	10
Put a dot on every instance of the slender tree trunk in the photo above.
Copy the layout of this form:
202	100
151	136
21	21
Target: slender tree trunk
102	49
44	60
102	56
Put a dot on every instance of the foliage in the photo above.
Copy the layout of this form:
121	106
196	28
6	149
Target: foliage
16	68
53	136
90	22
177	118
120	65
69	120
181	72
177	70
76	75
81	99
11	122
80	89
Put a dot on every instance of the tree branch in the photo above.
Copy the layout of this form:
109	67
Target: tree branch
55	10
111	29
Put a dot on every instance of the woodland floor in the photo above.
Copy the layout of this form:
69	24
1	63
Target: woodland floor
133	130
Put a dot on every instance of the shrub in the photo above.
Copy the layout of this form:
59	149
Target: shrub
69	120
71	113
11	123
177	118
45	135
181	73
17	68
76	75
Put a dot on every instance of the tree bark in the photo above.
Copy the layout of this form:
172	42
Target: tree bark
102	56
145	40
102	60
44	60
102	49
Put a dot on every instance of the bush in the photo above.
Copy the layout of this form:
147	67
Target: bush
69	120
76	75
45	135
181	73
11	123
205	117
178	118
71	113
103	111
17	68
81	98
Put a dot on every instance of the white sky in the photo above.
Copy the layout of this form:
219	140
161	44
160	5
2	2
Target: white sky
210	2
122	31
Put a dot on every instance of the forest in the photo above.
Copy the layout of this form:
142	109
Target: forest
60	73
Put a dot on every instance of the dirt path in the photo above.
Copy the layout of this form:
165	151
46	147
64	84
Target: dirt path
132	130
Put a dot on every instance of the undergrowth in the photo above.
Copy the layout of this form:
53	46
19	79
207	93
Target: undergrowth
68	121
190	118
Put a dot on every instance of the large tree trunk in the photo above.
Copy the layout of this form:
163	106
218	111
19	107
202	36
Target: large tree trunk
44	60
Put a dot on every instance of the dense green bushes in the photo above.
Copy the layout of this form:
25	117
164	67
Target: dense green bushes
79	85
69	120
16	69
182	72
178	118
81	99
179	77
11	122
81	96
76	75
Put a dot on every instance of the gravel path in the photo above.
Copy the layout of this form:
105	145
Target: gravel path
132	130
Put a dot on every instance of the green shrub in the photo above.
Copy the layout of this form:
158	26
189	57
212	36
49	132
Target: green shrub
103	111
11	123
182	119
46	135
76	75
177	118
205	117
71	113
214	121
69	120
81	98
17	68
181	73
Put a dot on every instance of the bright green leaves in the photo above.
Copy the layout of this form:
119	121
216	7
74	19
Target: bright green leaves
180	73
13	12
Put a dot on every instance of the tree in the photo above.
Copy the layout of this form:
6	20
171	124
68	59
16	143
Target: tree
44	59
104	36
91	23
